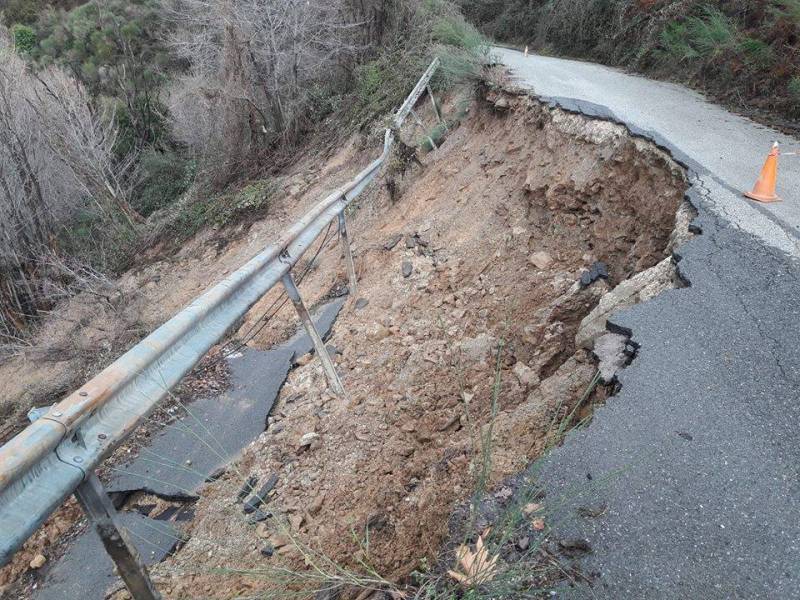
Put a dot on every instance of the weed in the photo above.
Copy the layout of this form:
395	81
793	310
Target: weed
794	89
437	135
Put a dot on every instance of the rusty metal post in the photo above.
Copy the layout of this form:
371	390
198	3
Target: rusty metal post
436	108
348	256
97	506
322	352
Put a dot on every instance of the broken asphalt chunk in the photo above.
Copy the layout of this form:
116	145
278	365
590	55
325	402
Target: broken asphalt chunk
247	488
258	499
598	270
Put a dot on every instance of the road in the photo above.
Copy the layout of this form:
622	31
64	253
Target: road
726	150
696	459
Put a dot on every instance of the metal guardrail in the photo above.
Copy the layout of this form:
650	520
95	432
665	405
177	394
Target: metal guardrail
56	455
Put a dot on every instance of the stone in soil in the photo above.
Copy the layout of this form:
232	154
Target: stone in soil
407	268
392	242
541	260
361	303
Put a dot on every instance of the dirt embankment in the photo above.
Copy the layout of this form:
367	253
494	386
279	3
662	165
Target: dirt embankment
473	272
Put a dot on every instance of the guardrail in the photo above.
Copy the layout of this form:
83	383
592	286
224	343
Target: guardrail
56	455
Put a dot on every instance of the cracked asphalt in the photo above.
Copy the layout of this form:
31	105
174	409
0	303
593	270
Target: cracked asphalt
697	459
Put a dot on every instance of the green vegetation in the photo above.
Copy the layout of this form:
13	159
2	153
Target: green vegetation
250	202
746	52
24	38
437	29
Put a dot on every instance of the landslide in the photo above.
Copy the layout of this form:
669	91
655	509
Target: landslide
472	273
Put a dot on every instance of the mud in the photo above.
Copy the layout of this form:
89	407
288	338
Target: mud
497	228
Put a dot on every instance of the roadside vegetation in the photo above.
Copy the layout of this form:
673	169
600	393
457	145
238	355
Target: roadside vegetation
743	52
125	123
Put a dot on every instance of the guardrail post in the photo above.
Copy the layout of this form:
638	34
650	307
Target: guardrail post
319	346
97	506
418	121
436	108
348	255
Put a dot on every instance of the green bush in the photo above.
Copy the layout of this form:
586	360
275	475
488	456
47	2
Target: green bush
163	178
24	38
250	202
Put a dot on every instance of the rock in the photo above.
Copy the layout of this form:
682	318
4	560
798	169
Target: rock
38	561
361	303
407	268
392	242
610	350
257	499
574	547
308	439
258	516
479	348
296	521
263	531
541	260
598	270
411	241
639	288
523	543
332	350
316	505
527	377
502	103
377	332
268	550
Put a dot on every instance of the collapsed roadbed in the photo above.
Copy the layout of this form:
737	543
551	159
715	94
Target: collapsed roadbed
500	260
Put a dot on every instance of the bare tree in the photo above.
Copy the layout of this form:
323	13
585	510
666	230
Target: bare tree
56	160
254	66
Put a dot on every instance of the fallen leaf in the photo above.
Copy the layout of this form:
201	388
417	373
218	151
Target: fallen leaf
476	568
538	524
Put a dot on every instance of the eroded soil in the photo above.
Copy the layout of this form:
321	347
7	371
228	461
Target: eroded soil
470	277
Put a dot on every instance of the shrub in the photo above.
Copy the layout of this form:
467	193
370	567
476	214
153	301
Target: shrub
24	12
24	38
192	216
163	178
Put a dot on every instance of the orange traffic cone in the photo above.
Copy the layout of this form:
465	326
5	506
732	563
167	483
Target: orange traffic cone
764	190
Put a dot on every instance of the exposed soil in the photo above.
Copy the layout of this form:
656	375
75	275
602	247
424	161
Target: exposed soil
495	232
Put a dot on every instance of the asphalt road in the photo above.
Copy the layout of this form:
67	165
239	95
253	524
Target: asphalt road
726	150
697	459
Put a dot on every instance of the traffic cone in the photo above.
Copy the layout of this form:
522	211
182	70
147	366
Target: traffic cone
764	190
